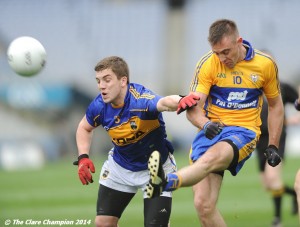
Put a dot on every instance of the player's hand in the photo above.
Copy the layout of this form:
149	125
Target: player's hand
271	153
211	129
85	167
187	102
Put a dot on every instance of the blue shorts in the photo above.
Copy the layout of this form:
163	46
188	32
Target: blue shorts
241	139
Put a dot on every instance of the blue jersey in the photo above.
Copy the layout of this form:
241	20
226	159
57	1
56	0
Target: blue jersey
136	129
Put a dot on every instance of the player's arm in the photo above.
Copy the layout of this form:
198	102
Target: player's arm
196	115
84	136
275	119
275	123
172	102
168	103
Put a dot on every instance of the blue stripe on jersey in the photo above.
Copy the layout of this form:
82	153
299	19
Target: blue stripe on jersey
234	98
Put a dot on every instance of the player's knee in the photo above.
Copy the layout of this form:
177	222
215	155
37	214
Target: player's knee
297	188
205	207
209	162
297	183
106	221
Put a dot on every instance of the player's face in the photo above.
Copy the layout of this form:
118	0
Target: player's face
228	50
112	89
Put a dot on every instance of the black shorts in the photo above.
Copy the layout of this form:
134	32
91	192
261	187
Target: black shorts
262	146
112	202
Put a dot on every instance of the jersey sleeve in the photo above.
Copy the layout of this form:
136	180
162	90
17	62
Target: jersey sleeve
272	85
93	112
151	100
202	81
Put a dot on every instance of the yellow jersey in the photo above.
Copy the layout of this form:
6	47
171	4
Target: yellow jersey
235	95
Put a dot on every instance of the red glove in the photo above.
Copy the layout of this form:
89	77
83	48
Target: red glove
187	102
85	167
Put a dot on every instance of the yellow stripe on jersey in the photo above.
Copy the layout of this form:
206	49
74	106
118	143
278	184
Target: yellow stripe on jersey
95	120
137	95
132	130
235	95
197	71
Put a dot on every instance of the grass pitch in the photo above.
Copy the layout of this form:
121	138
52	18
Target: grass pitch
55	193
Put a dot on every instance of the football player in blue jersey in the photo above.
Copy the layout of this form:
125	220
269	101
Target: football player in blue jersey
230	80
131	115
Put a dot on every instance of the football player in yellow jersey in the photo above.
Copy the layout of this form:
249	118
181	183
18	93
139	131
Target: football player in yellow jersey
230	81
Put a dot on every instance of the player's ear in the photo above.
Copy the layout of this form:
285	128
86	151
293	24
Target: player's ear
240	40
124	80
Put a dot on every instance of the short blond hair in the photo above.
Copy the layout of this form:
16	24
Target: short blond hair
117	64
221	28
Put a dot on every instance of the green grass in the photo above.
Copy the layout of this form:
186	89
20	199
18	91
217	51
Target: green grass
55	193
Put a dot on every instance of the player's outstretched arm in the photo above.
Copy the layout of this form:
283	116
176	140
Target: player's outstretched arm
177	103
187	102
83	139
168	103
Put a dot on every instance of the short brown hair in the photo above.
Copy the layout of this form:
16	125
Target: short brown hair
221	28
116	64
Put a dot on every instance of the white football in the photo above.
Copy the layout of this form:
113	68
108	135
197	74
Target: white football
26	56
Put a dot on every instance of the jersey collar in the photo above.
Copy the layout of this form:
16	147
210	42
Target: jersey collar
250	51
